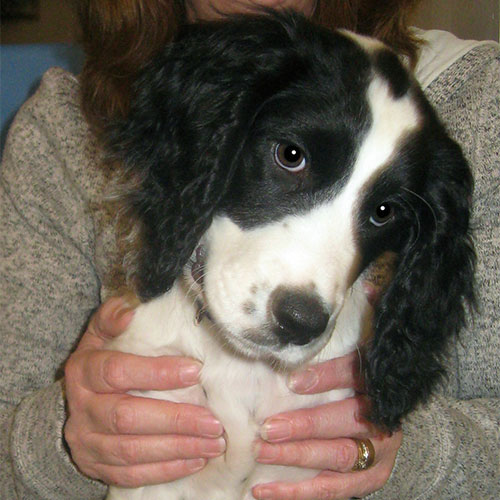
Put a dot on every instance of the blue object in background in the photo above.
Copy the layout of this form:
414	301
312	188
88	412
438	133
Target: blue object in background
22	67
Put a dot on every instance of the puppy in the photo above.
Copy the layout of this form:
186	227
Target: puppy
270	164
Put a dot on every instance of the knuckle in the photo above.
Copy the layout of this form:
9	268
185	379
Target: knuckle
75	437
89	468
70	435
308	426
384	473
76	400
86	468
345	456
113	372
132	479
72	372
123	417
129	451
117	476
79	453
295	494
168	471
97	322
70	368
322	422
306	454
178	420
324	491
124	477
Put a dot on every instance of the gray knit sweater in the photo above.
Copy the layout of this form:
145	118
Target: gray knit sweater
52	256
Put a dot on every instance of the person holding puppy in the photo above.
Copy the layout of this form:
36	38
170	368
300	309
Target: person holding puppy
69	426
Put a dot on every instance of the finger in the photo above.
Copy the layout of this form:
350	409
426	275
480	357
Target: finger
109	321
327	485
329	421
338	455
150	474
131	415
339	373
136	450
113	371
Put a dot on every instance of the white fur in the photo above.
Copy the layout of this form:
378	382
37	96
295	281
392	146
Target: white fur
239	391
244	372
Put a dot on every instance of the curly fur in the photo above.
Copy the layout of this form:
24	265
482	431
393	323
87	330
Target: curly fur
425	304
195	143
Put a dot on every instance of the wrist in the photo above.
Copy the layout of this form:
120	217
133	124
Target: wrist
41	462
422	459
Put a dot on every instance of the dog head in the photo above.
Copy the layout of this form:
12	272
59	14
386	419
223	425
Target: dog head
274	161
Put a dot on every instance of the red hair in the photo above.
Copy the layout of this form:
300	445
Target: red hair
121	36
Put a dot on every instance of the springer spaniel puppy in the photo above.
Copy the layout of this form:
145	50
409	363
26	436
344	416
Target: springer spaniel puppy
270	163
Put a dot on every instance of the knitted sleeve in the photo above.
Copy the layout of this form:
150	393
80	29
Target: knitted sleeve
49	287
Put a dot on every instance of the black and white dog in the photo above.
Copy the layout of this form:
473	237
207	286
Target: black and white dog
271	163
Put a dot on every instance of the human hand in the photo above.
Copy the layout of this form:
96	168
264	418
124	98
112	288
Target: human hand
126	440
322	438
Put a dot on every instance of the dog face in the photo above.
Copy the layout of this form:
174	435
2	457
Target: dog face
273	162
303	217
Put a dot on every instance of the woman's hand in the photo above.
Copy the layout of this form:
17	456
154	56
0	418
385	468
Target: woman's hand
321	438
125	440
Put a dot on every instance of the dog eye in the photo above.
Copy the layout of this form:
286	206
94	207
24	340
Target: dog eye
382	215
290	157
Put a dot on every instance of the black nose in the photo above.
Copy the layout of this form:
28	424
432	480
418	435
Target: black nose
299	316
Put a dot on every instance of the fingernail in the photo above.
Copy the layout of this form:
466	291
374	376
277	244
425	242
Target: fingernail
266	454
262	493
196	464
210	427
276	430
190	374
124	310
303	381
214	448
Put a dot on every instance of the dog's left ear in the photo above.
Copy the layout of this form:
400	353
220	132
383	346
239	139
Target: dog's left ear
427	300
179	144
178	156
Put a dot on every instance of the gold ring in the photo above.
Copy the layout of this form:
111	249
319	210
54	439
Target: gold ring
366	454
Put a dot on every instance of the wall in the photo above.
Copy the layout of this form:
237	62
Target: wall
468	19
57	23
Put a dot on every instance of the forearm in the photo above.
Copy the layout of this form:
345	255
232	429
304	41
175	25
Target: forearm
37	465
49	287
451	449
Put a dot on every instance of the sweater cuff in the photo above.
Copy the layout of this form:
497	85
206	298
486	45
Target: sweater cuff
42	464
424	456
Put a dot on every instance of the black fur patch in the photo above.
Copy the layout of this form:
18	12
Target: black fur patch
390	67
429	187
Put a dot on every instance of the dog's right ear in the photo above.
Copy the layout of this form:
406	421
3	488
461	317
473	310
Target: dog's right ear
176	145
428	299
192	108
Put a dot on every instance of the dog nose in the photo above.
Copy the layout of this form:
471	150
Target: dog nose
299	316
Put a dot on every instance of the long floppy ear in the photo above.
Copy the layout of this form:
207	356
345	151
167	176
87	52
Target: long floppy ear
178	147
188	122
427	300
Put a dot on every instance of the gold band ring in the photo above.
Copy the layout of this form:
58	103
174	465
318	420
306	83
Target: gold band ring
366	454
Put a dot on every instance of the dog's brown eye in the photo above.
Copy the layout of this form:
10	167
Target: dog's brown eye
382	215
290	157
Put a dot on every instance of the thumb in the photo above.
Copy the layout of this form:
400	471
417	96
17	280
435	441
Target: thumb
110	320
339	373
